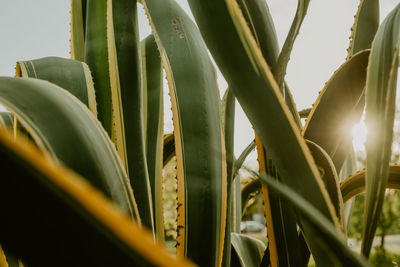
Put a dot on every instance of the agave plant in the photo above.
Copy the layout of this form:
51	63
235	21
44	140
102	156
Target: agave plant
82	143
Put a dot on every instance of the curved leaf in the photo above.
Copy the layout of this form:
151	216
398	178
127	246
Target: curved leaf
284	56
242	157
366	23
153	88
322	230
257	15
61	125
379	118
72	75
63	209
248	251
283	242
127	104
199	143
339	105
329	176
253	84
355	184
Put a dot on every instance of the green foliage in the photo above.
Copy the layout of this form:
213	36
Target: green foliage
103	119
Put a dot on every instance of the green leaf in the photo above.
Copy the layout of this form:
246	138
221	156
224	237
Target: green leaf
96	56
61	125
284	56
259	19
70	222
228	118
338	107
72	75
355	184
253	84
199	144
78	21
153	87
322	230
242	157
379	118
126	93
363	31
330	178
283	241
247	251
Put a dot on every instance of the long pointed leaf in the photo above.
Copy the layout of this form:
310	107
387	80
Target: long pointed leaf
78	20
284	56
379	117
61	125
253	84
126	93
153	86
355	184
199	142
72	75
228	115
323	231
283	242
96	56
366	23
248	251
55	206
339	105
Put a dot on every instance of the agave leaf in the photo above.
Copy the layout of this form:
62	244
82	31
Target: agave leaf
78	21
355	184
199	142
248	251
339	105
228	118
284	56
242	157
126	92
257	15
379	118
253	84
61	125
72	75
87	228
329	176
153	87
323	231
366	23
349	168
237	205
283	242
6	120
96	56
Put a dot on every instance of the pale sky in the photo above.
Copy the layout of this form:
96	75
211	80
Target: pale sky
40	28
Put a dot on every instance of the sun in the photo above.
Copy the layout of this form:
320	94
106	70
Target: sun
359	133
